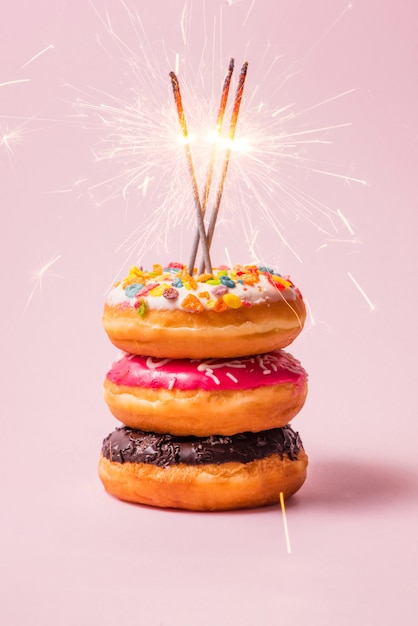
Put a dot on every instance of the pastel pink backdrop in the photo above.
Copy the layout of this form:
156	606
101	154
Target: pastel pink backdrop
70	553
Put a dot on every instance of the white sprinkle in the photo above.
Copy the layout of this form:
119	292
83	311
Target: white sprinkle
232	377
211	375
172	383
155	364
266	371
261	361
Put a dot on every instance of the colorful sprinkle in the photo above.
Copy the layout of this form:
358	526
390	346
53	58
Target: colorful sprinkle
220	290
145	290
141	306
220	305
192	303
133	289
170	293
228	282
157	291
232	301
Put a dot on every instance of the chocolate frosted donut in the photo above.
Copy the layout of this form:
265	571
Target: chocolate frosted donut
127	445
211	473
201	397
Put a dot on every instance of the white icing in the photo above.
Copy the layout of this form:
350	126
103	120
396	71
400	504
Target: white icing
261	293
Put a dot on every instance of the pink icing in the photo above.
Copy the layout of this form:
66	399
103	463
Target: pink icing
273	368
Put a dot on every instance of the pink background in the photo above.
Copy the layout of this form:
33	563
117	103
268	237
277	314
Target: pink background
70	553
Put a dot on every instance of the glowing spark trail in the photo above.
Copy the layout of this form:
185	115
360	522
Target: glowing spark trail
286	530
365	296
343	176
15	82
199	214
38	276
37	55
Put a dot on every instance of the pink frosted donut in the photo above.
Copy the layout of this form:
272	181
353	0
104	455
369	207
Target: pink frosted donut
205	397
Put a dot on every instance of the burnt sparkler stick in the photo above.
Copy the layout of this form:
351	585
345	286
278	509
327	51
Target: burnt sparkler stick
231	134
199	214
219	122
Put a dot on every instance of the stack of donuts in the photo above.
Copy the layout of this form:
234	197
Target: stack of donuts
203	388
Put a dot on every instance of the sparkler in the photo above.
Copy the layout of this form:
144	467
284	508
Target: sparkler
199	212
219	123
231	135
201	207
270	158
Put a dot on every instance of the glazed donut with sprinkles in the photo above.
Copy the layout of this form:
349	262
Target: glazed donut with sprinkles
229	312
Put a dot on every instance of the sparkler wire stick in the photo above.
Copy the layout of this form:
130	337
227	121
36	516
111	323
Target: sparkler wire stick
219	122
231	135
199	214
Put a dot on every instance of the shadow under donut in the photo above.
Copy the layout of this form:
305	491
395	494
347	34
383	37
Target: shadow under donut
340	483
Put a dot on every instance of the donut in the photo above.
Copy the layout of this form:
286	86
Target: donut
230	312
203	474
204	396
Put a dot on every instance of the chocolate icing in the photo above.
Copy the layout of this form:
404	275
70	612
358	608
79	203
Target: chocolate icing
127	445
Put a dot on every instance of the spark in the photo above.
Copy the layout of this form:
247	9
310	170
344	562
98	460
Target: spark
182	26
363	293
248	12
330	28
342	176
9	138
15	82
36	56
286	530
316	105
273	149
345	222
39	275
310	314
